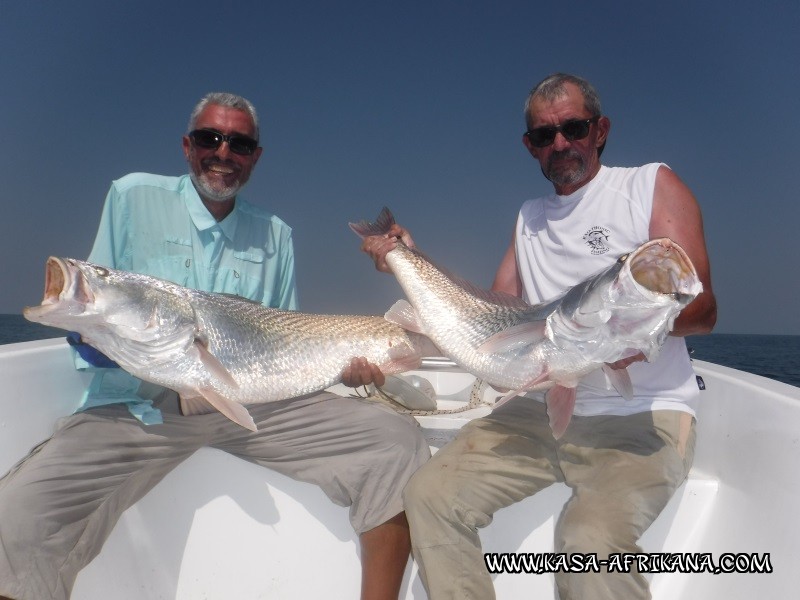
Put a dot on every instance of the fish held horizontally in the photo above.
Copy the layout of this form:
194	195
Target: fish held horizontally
628	308
217	351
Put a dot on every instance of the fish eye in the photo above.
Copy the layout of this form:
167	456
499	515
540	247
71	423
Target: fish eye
623	258
101	271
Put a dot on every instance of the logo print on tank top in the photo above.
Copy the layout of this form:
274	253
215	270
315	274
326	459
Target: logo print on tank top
596	239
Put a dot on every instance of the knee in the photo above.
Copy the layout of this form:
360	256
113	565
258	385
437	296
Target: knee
584	530
425	494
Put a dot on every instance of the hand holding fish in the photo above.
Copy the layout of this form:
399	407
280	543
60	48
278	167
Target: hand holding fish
378	246
549	346
362	372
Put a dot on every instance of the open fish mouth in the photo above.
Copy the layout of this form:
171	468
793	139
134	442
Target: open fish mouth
64	284
56	279
663	267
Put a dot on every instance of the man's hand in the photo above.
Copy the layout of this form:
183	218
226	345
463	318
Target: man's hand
360	372
378	246
90	354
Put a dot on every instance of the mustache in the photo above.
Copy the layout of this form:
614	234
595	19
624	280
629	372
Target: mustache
564	154
214	160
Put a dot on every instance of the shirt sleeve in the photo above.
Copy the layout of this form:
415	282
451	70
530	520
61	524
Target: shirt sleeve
287	290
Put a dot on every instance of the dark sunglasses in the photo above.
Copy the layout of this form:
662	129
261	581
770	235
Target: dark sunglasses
574	129
239	144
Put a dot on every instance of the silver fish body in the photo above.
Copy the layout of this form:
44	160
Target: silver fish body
628	308
217	351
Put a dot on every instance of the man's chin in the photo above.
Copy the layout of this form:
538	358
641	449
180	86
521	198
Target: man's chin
565	176
215	192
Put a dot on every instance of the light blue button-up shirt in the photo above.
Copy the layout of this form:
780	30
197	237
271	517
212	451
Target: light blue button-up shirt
158	225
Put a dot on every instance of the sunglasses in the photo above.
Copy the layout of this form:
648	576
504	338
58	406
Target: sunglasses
239	144
574	129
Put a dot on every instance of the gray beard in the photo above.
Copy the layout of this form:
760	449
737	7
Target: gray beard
566	178
215	194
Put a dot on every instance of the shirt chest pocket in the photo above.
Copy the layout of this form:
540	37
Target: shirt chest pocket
244	275
174	262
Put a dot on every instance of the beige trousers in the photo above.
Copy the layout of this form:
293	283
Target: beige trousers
622	471
59	505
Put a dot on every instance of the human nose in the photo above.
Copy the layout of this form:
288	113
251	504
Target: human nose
560	142
223	150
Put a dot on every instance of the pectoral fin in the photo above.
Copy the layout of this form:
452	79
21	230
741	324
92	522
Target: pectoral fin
211	398
560	402
212	364
403	314
621	380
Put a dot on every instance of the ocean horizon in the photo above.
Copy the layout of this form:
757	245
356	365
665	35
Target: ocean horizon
774	356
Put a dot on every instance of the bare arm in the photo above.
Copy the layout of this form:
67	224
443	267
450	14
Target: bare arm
676	215
507	277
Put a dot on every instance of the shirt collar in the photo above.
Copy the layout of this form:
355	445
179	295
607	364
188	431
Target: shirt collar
202	219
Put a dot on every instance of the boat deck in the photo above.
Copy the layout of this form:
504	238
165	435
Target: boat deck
220	528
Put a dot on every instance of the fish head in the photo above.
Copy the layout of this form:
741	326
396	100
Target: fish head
630	307
106	305
658	271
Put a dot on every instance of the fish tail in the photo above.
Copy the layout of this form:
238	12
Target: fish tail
381	225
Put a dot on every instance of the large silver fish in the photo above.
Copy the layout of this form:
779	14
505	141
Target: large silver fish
217	351
626	309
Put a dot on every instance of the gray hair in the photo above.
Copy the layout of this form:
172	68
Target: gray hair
224	99
552	87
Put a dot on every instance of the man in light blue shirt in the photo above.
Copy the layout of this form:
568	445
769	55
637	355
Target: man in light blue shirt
160	226
60	504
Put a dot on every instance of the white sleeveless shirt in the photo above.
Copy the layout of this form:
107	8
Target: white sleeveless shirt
562	240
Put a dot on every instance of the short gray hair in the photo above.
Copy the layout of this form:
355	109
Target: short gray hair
224	99
552	87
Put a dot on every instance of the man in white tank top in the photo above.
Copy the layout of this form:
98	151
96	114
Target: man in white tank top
622	459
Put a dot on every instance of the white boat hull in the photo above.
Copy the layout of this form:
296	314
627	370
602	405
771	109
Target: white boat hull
220	528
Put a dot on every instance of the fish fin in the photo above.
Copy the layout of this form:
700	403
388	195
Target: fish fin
212	364
403	314
543	376
381	225
560	402
402	363
210	397
517	335
195	405
508	396
621	380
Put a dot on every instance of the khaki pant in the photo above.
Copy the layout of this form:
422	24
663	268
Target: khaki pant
622	472
59	505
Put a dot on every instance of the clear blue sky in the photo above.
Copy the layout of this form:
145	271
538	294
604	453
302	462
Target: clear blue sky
416	105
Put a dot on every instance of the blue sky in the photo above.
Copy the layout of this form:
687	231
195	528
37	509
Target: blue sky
413	105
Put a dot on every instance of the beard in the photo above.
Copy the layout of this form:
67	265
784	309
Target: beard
212	189
565	175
